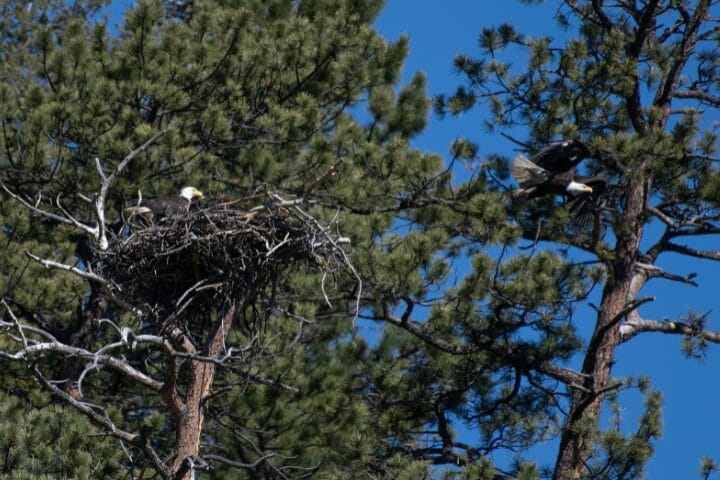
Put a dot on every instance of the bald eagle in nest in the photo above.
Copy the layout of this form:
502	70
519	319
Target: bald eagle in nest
160	207
552	172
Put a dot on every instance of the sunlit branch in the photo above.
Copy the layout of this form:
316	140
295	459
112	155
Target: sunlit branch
107	182
636	325
49	215
234	464
701	95
692	252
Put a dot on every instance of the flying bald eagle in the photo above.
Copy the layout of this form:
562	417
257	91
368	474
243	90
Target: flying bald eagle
552	172
160	207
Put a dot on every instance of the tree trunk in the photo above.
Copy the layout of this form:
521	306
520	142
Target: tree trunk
191	418
619	291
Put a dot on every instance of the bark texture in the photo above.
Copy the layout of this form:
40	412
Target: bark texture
189	412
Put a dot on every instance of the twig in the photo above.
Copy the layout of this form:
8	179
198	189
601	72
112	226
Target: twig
276	247
17	323
321	179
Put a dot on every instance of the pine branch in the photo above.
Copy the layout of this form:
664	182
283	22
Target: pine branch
707	254
107	424
88	276
637	325
701	95
565	375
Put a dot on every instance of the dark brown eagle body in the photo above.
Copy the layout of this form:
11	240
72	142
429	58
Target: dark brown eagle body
161	207
552	172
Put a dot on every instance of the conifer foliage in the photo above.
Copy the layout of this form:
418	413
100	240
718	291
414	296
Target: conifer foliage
242	349
637	82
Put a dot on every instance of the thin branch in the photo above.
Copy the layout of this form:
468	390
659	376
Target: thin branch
234	464
701	95
17	323
653	271
567	376
707	254
88	276
630	307
105	422
638	325
44	213
107	182
322	178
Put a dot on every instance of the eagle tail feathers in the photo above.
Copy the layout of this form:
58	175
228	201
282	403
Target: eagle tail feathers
526	173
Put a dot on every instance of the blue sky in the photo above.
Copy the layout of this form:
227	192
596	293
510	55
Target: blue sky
440	30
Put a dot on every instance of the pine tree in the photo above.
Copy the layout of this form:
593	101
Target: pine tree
240	99
299	101
637	81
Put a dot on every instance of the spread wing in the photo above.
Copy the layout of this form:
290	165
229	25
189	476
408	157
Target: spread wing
526	173
561	156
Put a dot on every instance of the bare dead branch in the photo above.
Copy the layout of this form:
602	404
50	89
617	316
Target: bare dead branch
707	254
107	182
701	95
234	464
99	231
631	306
106	423
639	325
39	348
93	231
88	276
655	271
664	218
17	323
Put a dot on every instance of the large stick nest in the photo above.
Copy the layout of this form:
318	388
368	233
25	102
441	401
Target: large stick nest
221	251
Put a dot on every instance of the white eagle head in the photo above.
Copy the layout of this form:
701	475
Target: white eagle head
190	193
575	188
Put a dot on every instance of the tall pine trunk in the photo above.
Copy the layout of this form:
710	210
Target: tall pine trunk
189	412
617	297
